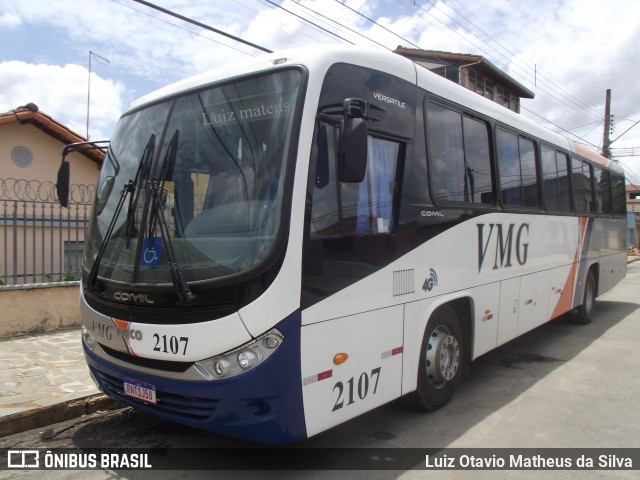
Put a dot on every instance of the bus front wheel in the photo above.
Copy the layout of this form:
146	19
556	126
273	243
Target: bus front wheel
441	361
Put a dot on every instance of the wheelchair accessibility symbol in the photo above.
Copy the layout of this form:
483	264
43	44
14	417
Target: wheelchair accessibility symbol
151	250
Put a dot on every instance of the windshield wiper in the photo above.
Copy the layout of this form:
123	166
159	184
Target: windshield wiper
156	189
128	189
142	174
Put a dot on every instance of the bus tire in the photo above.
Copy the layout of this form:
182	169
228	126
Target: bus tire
441	361
583	314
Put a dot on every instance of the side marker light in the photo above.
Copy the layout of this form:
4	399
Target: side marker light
340	358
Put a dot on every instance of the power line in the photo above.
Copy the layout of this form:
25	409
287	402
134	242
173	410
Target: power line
472	43
275	5
343	26
628	173
182	28
513	63
624	132
201	25
558	126
377	24
340	25
513	59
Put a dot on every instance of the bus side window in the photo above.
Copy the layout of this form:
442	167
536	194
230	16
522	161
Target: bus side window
446	155
518	175
459	159
325	218
564	187
479	185
557	193
368	206
351	209
582	189
619	194
602	186
509	162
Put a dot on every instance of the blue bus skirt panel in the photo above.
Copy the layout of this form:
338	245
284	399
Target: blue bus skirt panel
263	405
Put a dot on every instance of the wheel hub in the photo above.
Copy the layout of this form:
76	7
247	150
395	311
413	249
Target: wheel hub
443	357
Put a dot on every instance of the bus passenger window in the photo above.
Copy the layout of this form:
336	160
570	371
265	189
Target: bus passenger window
557	193
459	159
530	195
582	191
518	175
619	195
509	162
478	185
446	155
564	187
602	186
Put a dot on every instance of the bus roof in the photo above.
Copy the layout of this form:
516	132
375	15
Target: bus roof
321	57
314	57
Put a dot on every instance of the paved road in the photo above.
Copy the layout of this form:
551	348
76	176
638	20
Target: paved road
559	386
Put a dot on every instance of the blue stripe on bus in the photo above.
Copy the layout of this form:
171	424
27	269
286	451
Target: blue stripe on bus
264	404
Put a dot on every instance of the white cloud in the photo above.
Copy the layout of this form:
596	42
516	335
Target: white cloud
9	19
62	93
580	47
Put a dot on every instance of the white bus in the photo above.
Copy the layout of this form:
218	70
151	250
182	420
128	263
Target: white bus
282	245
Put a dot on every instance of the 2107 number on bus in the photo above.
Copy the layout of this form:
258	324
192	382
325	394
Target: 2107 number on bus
351	392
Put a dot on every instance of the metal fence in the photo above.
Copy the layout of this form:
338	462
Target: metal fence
40	240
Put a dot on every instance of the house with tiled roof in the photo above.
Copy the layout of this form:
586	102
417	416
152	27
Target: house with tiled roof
39	240
633	212
473	72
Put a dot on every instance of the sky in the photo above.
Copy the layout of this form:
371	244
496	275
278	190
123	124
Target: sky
568	52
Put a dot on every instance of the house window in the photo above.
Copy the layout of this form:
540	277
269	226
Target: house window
513	103
488	88
21	156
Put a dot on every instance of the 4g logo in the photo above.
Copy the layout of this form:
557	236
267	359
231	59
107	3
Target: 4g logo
431	281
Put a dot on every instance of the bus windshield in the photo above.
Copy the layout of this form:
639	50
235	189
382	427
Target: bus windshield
205	174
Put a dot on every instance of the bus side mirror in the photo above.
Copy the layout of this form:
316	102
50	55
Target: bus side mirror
62	183
353	157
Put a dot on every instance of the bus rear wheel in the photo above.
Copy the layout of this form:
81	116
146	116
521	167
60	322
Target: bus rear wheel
583	314
441	361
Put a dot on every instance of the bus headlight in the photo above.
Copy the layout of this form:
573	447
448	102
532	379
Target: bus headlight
241	359
88	339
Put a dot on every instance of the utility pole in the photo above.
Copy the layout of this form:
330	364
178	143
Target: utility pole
606	150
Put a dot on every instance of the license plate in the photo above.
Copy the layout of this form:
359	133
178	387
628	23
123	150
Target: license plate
140	390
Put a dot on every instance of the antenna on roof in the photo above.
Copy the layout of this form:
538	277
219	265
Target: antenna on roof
104	61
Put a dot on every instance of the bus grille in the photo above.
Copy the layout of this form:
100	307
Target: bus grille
164	365
179	406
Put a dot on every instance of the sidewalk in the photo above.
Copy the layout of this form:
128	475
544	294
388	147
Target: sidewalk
43	380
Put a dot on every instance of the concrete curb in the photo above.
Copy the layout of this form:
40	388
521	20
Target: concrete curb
60	412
